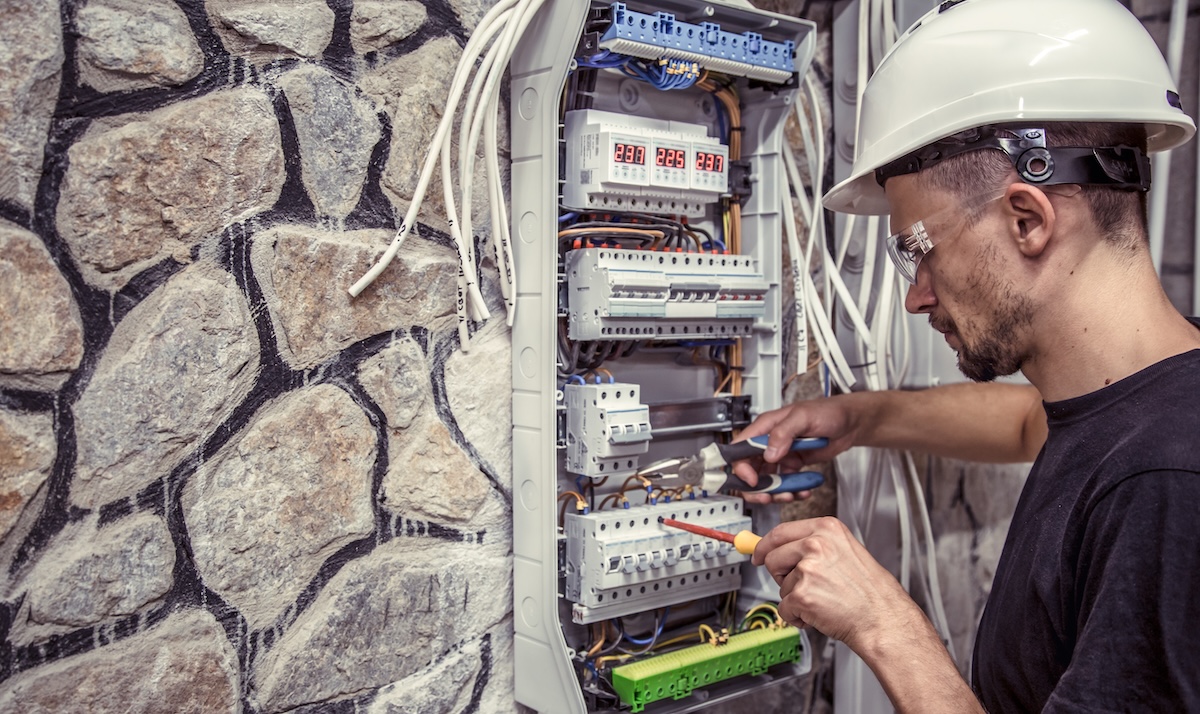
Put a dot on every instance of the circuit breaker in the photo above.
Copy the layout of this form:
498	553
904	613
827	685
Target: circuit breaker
647	223
607	428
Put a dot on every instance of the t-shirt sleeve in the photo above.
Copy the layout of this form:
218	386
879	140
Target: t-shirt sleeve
1138	629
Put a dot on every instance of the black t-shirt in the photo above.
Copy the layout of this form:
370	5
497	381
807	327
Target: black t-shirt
1095	606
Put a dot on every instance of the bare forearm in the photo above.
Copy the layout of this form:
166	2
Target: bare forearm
916	671
998	423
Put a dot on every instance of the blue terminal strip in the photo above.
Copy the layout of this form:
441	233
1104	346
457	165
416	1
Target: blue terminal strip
660	35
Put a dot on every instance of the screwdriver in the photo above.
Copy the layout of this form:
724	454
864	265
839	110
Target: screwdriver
744	542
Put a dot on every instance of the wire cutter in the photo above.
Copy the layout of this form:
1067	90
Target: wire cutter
710	469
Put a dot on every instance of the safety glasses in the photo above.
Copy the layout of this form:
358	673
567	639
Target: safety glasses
908	247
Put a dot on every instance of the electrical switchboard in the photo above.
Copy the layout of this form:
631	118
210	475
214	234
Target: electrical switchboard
647	227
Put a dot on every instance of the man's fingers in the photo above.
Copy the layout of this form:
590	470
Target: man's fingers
781	561
784	534
746	471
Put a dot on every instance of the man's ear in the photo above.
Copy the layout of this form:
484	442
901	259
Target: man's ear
1030	218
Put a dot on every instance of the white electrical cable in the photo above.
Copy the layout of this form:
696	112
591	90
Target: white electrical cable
931	556
499	13
796	254
466	271
822	330
1161	167
466	175
889	27
508	19
497	203
508	44
902	509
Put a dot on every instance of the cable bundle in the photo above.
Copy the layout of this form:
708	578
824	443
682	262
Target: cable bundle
873	318
499	32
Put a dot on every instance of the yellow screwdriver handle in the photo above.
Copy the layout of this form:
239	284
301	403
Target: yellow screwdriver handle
745	542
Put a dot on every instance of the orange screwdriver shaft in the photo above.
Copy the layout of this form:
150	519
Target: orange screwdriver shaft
744	542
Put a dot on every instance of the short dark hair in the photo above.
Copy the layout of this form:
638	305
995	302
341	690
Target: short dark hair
1120	214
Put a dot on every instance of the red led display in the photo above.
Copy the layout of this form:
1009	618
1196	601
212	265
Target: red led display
670	158
709	162
629	154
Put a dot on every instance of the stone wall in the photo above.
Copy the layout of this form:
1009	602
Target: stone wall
225	485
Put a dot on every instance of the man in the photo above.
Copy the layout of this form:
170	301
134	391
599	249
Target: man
1008	141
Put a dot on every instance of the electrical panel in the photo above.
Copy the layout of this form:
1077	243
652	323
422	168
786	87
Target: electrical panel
647	221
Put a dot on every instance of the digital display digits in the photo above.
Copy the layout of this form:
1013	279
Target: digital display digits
629	153
670	158
709	162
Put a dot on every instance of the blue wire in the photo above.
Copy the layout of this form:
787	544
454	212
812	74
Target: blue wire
573	377
651	638
567	217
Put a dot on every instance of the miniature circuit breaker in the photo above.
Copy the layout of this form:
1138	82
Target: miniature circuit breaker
623	560
620	294
607	428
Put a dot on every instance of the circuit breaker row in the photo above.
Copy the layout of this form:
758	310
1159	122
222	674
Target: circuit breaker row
624	294
622	560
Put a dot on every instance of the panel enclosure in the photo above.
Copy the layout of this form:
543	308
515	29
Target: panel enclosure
684	381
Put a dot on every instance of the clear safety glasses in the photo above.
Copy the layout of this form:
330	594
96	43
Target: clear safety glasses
908	247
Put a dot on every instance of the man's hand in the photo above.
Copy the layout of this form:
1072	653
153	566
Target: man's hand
831	418
828	580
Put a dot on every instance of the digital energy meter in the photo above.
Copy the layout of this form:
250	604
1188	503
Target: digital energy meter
631	163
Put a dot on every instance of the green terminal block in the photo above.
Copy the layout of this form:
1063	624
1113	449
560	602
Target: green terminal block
676	674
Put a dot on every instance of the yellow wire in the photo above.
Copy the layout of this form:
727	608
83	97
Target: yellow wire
724	382
646	232
600	642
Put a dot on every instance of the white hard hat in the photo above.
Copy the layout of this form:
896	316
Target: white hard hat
978	63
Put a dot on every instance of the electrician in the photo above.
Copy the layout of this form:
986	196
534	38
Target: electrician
1008	141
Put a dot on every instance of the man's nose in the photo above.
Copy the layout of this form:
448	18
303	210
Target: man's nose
920	297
